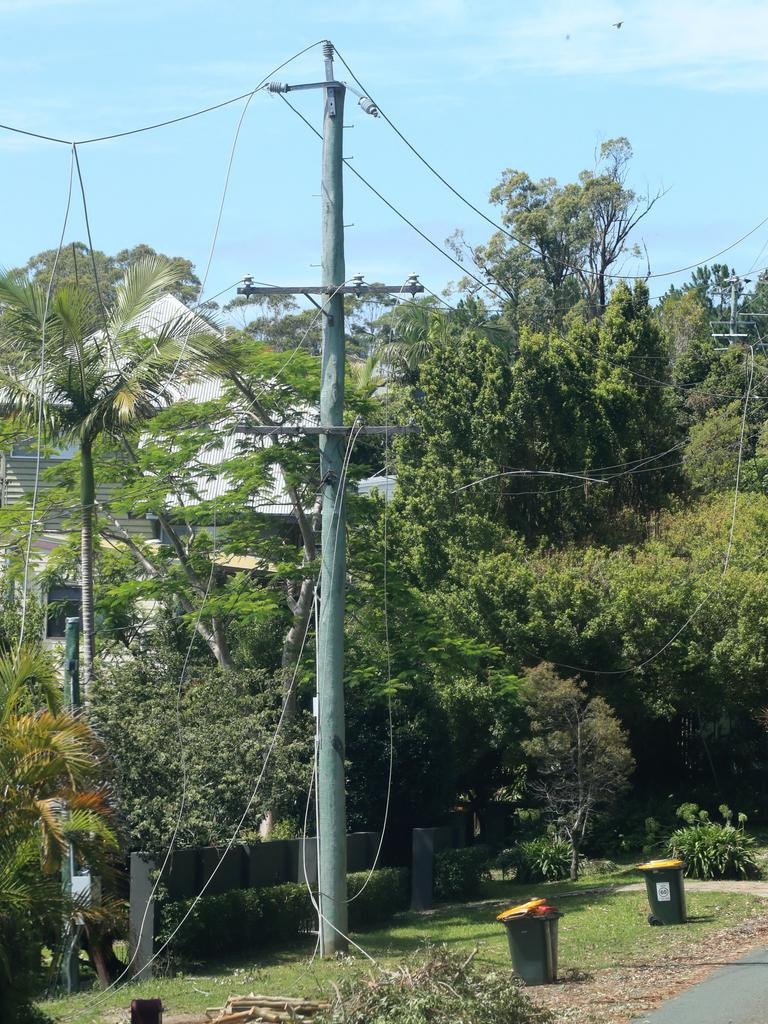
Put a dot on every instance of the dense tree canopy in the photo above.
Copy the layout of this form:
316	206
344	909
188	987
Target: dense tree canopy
569	497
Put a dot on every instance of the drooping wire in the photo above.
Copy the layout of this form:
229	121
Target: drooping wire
170	121
215	238
316	902
254	793
41	408
387	644
182	805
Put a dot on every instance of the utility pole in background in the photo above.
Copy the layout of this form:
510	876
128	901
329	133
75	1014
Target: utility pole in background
334	438
735	285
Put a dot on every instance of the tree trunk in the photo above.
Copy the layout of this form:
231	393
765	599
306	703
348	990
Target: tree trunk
219	645
214	635
294	641
87	514
574	858
100	950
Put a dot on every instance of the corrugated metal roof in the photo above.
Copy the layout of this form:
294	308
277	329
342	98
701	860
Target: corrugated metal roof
169	310
271	500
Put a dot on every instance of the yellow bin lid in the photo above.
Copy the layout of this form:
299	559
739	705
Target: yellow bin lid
520	910
652	865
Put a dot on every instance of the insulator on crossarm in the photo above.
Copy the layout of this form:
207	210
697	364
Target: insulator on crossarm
368	106
277	87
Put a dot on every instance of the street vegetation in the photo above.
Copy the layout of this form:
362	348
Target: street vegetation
561	609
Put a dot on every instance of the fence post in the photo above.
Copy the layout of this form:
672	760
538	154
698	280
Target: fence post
141	917
422	868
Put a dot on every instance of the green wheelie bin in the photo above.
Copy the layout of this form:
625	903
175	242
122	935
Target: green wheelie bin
532	936
666	893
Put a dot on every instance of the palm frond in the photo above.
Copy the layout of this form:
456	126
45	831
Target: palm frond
31	673
145	282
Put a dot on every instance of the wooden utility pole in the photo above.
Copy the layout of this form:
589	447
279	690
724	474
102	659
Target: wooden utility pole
333	440
332	823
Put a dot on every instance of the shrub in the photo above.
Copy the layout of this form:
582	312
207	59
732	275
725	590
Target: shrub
599	868
546	859
245	919
387	892
711	850
440	986
20	970
459	874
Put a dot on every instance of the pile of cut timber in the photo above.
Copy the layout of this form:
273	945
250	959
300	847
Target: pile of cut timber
269	1009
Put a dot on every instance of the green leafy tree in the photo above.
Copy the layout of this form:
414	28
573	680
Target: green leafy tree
219	725
74	266
563	240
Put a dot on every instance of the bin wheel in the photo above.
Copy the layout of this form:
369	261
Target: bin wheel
654	921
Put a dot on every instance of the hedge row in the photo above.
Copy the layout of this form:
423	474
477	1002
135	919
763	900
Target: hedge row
245	919
459	874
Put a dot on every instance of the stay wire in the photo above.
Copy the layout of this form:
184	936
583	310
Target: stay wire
41	409
514	238
93	257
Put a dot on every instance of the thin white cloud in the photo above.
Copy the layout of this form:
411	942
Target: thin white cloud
700	44
24	6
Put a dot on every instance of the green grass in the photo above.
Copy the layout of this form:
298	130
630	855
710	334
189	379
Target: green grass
600	928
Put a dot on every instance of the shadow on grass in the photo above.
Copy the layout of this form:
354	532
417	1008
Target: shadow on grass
595	885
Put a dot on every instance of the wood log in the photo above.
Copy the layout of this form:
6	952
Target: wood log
258	1000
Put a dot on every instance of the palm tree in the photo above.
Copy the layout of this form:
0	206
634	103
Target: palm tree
417	329
75	380
52	797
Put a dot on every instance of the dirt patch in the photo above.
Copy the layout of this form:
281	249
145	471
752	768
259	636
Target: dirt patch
619	994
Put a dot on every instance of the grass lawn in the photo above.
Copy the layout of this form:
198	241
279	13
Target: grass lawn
601	928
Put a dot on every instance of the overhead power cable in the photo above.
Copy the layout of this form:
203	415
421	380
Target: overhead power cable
499	227
394	209
170	121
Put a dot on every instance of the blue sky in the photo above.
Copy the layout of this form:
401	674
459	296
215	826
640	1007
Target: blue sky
476	85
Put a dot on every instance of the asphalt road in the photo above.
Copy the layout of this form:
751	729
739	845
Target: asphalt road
736	993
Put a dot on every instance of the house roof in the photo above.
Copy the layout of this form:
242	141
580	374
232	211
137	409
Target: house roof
271	500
